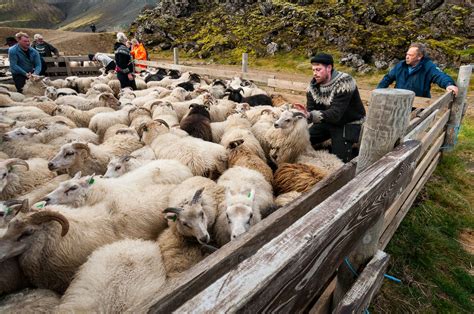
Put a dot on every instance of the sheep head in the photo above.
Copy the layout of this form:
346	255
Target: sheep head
288	118
68	155
148	131
109	100
22	133
72	192
8	210
21	230
191	220
7	170
239	211
118	166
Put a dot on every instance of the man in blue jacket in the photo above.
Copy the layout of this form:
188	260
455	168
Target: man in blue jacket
417	73
24	61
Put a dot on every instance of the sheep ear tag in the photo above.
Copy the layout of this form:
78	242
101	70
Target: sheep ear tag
91	181
40	205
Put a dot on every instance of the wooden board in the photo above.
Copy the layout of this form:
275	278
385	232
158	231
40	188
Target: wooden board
392	228
434	132
295	266
205	273
418	131
440	103
367	284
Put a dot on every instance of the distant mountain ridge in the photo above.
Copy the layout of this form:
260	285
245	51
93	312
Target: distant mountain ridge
107	15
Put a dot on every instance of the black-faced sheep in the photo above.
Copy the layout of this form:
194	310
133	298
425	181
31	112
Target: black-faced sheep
197	122
255	100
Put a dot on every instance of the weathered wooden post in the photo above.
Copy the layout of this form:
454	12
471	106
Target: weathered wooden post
458	108
175	56
386	124
245	62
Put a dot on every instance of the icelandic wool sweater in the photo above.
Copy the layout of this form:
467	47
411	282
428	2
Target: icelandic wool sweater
338	100
123	58
419	79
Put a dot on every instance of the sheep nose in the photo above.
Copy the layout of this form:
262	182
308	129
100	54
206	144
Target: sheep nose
50	166
275	125
204	239
5	137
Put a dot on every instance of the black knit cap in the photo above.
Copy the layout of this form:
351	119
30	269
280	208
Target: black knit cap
91	56
323	58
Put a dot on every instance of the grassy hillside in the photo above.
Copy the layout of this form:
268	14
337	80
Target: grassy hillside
29	13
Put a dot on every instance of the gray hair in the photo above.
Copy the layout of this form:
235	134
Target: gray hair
421	48
121	37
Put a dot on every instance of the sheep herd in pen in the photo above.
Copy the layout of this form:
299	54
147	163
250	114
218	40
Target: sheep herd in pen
107	194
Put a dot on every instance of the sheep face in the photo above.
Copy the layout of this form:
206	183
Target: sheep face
51	92
117	167
68	155
8	210
22	133
21	231
7	171
239	212
109	100
150	130
191	220
70	192
179	93
287	119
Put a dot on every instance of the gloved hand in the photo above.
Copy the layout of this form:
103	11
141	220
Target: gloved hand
315	116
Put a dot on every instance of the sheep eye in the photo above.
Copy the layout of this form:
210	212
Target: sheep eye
4	175
117	168
68	154
145	129
251	215
287	120
202	214
25	234
186	225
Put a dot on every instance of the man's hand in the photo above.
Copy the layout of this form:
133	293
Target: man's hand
315	116
452	88
28	75
130	76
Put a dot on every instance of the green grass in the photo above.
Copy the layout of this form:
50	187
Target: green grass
426	254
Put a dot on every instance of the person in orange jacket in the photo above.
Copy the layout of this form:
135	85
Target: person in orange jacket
138	52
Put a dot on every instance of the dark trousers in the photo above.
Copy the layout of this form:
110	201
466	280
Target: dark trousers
110	67
125	82
342	138
44	67
19	80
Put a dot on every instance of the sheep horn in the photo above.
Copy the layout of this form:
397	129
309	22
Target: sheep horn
146	110
162	122
46	216
299	114
173	210
16	161
265	111
126	158
197	196
141	127
155	103
131	110
81	146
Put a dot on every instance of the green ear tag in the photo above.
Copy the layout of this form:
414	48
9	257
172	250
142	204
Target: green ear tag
91	181
8	211
249	195
40	205
174	218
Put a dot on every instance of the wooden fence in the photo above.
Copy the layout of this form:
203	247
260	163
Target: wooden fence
287	262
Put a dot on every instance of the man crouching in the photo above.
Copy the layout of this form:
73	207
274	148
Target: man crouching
334	106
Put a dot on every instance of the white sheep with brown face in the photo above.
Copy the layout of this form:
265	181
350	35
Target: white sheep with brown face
119	166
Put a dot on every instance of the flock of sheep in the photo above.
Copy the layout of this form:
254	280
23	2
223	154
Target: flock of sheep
106	194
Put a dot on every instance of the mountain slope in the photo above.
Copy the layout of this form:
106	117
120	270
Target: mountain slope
378	31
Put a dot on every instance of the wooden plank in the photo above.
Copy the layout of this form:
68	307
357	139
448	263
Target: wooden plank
416	133
56	70
205	273
440	103
368	283
295	266
419	171
390	231
457	108
85	69
68	66
291	85
433	133
323	304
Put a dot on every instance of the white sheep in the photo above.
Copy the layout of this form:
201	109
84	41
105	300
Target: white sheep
118	166
80	117
100	122
18	176
248	196
101	100
164	111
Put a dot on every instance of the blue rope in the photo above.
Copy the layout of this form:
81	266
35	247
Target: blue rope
351	268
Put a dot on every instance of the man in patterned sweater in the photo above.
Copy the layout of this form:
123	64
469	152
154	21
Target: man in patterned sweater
334	107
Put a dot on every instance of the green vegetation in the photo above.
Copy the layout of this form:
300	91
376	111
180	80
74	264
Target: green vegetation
426	251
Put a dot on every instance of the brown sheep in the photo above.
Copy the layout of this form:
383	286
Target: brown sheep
296	177
241	155
197	122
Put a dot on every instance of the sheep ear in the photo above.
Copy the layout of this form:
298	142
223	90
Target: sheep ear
77	175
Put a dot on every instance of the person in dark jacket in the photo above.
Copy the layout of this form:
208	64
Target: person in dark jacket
334	107
24	61
45	50
417	73
124	64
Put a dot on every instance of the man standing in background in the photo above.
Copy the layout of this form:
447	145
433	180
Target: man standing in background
45	50
24	61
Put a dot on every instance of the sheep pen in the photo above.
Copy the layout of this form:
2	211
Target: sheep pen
155	124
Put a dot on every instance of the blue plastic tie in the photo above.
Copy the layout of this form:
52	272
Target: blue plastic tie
351	268
392	278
